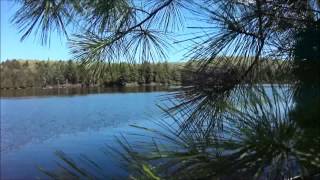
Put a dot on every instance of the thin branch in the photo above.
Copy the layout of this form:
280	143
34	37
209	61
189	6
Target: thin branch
152	14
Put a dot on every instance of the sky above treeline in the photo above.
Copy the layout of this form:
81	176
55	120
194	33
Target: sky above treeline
31	48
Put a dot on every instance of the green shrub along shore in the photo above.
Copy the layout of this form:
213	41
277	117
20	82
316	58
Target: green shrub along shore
17	74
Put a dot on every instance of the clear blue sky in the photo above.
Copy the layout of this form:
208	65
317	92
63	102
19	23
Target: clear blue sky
31	48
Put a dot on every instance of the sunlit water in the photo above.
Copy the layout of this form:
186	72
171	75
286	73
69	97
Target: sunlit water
33	128
37	123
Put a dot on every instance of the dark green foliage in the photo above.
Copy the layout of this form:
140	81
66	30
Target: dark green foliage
24	74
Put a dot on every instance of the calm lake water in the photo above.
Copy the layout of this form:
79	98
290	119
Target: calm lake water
78	122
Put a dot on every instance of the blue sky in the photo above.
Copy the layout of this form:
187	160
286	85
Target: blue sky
31	48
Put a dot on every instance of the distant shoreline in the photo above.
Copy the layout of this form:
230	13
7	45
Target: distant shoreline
19	74
69	86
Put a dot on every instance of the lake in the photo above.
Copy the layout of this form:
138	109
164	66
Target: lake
85	123
78	122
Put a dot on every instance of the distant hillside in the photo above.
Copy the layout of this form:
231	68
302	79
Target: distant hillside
265	70
46	74
35	73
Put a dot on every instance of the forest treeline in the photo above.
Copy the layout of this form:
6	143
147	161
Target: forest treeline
35	73
44	74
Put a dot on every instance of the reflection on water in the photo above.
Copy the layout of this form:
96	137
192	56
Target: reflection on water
33	128
5	93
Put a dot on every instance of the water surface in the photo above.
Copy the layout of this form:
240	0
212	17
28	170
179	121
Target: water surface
34	127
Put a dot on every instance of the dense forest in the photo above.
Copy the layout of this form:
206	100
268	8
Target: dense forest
33	73
226	70
46	74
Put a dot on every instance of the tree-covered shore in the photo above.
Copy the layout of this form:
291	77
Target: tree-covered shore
17	74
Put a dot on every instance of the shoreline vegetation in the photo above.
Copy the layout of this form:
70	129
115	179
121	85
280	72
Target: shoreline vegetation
50	74
70	86
22	74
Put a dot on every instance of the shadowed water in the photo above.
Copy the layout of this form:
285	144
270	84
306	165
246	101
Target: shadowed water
39	92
